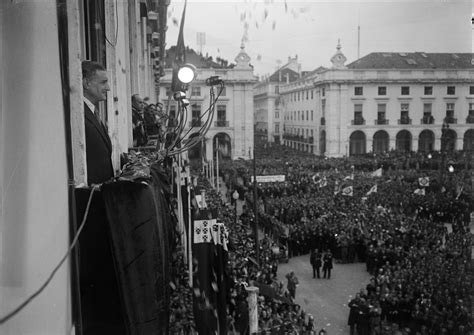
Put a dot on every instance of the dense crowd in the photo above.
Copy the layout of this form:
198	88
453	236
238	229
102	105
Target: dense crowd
400	234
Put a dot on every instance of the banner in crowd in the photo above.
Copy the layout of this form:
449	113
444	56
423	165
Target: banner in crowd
373	189
348	191
420	191
424	181
269	179
377	173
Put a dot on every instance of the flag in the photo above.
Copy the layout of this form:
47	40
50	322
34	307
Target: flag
347	191
459	191
420	191
180	56
377	173
373	189
337	189
424	181
323	182
316	178
211	277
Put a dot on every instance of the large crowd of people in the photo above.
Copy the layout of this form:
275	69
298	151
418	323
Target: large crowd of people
420	272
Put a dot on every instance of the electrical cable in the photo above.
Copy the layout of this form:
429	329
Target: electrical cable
11	314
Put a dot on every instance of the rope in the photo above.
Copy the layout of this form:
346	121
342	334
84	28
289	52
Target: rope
11	314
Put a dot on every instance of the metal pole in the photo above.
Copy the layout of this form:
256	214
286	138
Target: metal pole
255	209
217	164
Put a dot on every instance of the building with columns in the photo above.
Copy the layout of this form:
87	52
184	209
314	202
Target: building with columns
383	101
232	127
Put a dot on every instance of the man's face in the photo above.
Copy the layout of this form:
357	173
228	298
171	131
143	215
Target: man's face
138	103
96	87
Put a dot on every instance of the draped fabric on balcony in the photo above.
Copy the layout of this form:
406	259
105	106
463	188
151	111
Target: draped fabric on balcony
141	234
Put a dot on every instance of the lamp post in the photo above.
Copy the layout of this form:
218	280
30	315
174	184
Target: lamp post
235	196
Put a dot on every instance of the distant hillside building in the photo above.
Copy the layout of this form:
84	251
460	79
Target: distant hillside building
233	120
383	101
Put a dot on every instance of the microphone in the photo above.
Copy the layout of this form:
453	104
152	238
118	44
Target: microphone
213	81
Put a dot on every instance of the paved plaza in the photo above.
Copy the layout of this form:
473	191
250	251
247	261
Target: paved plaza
326	299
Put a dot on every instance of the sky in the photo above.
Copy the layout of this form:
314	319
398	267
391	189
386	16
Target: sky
273	30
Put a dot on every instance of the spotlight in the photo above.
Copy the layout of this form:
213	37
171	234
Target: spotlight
187	73
179	95
451	169
213	81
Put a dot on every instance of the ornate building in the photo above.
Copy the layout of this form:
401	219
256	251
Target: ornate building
232	128
383	101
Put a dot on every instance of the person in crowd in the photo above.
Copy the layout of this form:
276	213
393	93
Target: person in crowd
327	264
138	120
315	260
292	284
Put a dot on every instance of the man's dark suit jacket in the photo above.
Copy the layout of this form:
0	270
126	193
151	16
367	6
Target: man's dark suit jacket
98	149
100	296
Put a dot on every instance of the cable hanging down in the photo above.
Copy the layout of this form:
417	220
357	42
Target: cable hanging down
11	314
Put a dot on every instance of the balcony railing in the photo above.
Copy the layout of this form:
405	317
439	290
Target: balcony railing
381	121
221	123
450	119
427	120
404	121
358	122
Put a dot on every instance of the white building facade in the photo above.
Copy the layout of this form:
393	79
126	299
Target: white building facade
382	102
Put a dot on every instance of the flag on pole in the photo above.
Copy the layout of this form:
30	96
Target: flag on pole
348	191
376	173
459	191
337	188
424	181
420	191
373	189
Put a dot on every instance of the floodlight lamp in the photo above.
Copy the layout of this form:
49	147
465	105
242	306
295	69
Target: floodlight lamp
429	156
185	102
179	95
187	73
451	169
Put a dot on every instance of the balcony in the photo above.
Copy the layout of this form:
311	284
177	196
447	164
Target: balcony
323	121
381	121
427	120
358	122
405	120
450	119
221	123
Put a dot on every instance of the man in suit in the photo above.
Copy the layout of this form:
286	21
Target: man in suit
98	145
327	264
101	307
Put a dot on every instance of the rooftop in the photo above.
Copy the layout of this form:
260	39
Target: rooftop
414	60
198	60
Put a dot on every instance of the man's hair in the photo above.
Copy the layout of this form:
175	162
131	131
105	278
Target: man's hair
134	97
89	68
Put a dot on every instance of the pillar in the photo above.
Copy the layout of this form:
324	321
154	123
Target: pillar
253	309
